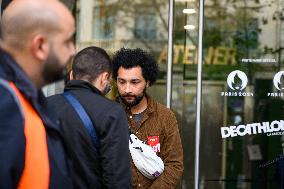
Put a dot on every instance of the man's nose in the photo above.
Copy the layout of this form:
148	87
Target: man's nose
128	88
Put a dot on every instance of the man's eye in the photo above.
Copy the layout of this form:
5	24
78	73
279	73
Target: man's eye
135	82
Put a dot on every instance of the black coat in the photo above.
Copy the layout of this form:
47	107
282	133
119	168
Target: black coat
107	166
12	137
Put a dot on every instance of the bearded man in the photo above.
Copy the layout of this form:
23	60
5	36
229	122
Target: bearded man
134	71
36	42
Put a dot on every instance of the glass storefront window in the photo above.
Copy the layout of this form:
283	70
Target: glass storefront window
145	24
241	92
115	24
241	89
103	23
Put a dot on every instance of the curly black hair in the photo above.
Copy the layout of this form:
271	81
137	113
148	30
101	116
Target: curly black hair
130	58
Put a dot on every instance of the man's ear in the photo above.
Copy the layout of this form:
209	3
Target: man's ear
71	76
148	84
105	77
40	47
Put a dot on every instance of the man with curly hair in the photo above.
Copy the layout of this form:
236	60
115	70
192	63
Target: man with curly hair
134	71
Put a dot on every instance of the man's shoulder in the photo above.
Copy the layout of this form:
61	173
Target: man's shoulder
10	106
54	99
113	105
99	103
57	104
8	94
162	109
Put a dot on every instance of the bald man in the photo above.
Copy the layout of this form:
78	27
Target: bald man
36	43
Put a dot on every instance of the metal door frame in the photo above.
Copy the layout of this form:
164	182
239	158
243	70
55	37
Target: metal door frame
199	77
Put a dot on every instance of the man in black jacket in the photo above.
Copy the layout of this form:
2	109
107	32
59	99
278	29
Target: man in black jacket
106	165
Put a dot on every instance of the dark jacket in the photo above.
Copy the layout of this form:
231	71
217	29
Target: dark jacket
159	121
12	138
108	165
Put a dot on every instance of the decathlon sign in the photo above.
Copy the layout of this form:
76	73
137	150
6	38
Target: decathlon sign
270	128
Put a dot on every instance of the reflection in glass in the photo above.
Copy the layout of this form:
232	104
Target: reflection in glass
103	23
238	35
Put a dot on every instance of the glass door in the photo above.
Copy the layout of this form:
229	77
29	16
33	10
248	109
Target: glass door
241	123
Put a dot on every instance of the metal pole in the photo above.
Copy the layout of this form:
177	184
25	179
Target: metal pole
198	94
170	52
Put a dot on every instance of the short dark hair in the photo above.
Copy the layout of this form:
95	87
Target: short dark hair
130	58
90	62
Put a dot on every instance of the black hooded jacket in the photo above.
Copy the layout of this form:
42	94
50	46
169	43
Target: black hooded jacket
107	166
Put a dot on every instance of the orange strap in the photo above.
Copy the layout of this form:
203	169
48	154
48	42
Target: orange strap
36	171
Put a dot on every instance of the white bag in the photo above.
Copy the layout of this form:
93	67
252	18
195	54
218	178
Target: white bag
145	159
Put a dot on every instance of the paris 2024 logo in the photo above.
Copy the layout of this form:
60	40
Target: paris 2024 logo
237	81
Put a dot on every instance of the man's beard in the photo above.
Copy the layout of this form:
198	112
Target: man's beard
52	70
107	89
136	101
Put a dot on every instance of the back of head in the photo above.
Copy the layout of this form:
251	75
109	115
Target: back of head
90	62
23	19
130	58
